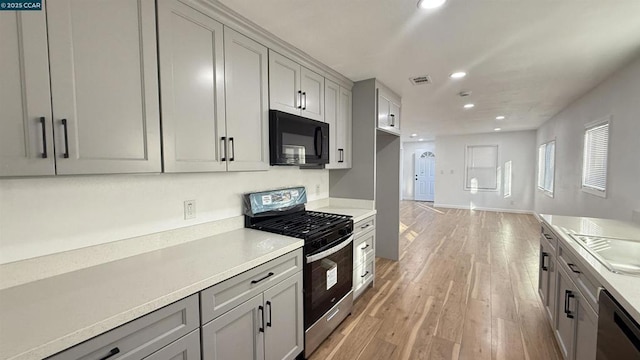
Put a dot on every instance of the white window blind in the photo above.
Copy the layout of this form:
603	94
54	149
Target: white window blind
546	166
481	167
594	164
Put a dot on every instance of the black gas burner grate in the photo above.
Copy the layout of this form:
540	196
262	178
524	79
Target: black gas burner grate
304	224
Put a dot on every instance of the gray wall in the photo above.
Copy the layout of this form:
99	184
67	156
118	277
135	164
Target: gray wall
619	98
387	191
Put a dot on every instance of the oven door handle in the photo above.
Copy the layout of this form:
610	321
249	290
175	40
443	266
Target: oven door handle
331	251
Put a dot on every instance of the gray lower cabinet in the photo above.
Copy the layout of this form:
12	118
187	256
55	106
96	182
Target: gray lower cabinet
238	334
363	255
267	326
568	294
141	337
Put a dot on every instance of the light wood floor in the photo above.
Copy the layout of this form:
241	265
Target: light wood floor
465	288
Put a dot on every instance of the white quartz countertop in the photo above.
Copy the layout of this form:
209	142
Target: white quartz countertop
41	318
357	213
625	288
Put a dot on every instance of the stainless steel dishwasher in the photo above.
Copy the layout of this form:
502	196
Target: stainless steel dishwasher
618	333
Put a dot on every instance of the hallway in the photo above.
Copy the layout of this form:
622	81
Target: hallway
465	288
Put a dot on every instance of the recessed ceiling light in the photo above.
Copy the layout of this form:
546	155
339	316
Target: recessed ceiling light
458	75
468	106
497	129
414	135
420	139
500	117
430	4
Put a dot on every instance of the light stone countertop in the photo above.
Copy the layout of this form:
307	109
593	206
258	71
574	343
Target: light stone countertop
625	288
41	318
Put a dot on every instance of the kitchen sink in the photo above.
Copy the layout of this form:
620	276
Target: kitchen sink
620	256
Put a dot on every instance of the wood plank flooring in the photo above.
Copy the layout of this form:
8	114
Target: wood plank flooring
465	288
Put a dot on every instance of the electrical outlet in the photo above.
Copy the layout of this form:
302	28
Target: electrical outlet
189	209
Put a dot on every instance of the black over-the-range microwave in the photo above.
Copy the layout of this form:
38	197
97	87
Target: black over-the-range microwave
295	140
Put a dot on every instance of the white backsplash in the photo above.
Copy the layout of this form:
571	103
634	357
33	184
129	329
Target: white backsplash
41	216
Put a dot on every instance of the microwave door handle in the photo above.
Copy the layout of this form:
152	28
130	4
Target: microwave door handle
315	142
330	251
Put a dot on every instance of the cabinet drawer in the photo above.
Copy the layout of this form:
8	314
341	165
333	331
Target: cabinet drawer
585	283
362	276
364	225
549	236
185	348
141	337
228	294
363	248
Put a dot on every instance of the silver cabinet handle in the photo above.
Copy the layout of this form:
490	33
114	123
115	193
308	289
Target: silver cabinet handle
299	105
304	94
330	251
393	120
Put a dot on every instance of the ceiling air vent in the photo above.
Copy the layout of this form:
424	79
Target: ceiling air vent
420	80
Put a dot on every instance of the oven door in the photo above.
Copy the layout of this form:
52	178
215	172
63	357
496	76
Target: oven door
328	277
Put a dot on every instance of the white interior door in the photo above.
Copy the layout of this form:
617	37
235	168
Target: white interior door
425	166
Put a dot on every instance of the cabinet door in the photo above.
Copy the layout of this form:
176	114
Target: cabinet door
384	108
312	86
565	325
344	128
236	335
247	100
284	338
26	138
284	84
586	330
104	86
192	86
331	114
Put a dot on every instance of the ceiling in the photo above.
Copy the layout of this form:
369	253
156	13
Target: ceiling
525	59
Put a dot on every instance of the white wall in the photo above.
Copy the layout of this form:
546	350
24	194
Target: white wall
40	216
408	165
618	97
519	147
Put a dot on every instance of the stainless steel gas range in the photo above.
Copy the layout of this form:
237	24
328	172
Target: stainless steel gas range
328	250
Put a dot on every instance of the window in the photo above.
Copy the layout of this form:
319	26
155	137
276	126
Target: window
594	161
507	179
546	167
481	170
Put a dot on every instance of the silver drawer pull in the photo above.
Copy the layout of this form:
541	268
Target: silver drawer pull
333	315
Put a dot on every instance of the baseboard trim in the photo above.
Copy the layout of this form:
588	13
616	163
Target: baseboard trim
479	208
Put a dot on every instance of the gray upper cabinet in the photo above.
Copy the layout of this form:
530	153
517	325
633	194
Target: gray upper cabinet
312	86
247	102
26	139
191	51
337	104
104	86
388	112
214	85
295	89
